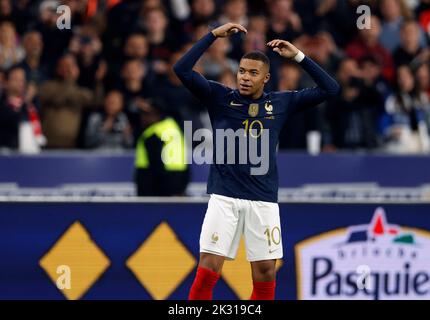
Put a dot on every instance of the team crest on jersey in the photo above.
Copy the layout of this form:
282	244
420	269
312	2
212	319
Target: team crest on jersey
268	107
253	109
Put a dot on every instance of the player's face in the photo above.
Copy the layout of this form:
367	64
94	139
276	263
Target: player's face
251	77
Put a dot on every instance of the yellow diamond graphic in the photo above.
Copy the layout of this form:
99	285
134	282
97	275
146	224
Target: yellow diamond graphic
238	274
162	262
76	253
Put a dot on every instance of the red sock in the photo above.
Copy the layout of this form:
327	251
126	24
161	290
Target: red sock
203	284
264	291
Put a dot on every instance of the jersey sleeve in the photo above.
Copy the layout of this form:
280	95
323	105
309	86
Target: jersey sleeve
192	80
326	87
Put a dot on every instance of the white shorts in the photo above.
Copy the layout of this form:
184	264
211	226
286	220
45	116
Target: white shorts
228	218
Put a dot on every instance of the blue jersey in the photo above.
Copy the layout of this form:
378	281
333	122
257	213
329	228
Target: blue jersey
228	109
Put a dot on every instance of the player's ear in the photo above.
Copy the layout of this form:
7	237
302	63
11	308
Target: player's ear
267	78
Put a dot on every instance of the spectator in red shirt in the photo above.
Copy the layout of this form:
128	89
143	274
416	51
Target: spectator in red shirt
367	44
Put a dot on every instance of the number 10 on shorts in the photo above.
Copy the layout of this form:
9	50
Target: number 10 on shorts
273	235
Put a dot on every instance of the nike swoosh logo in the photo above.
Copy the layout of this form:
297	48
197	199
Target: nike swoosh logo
236	104
271	251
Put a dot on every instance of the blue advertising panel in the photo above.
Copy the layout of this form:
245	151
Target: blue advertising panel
150	251
295	169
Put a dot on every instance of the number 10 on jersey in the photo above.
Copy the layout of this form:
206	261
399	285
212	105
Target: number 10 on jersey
255	128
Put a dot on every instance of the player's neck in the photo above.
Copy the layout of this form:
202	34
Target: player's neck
257	95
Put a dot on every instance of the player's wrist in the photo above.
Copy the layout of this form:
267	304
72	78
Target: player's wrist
299	57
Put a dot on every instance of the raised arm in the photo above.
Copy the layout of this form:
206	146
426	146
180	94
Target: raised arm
193	80
326	86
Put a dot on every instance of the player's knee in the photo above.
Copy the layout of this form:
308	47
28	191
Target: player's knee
264	272
267	274
211	262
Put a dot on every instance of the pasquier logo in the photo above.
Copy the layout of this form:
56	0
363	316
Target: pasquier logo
370	261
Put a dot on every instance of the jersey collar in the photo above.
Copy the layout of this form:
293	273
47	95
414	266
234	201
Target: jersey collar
245	99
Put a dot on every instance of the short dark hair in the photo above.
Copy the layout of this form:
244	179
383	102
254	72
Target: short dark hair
160	8
9	71
259	56
407	22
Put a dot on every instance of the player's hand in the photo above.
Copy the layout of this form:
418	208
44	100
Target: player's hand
284	48
228	29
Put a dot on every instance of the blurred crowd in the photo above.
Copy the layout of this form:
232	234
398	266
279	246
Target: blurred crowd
86	87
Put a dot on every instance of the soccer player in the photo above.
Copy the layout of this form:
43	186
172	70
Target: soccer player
240	202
